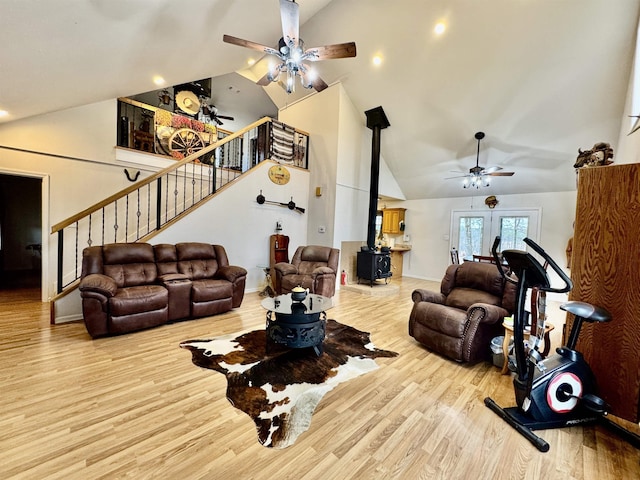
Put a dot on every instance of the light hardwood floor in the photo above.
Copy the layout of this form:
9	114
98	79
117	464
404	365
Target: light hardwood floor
136	407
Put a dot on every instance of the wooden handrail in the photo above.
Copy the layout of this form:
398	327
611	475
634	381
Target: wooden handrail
103	203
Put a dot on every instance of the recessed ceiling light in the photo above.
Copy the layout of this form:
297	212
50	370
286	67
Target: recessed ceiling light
158	80
439	28
3	113
251	62
377	60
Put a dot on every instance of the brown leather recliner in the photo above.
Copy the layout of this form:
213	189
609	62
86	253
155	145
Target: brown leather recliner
460	321
313	267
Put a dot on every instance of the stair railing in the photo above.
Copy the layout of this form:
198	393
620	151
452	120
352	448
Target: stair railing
141	210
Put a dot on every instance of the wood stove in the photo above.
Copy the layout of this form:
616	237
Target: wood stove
373	264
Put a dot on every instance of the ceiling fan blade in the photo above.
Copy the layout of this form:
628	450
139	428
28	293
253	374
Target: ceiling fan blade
225	117
264	80
500	174
249	44
318	84
491	169
290	17
339	50
215	119
457	176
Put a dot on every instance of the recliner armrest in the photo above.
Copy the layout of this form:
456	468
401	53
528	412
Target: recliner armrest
323	271
98	283
231	273
421	295
285	268
485	313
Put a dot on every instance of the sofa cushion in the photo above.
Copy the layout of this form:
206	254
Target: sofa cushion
480	276
291	281
209	289
439	318
463	298
130	264
197	260
166	258
138	299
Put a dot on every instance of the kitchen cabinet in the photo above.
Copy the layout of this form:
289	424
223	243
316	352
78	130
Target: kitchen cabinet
391	218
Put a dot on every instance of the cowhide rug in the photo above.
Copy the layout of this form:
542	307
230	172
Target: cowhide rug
280	389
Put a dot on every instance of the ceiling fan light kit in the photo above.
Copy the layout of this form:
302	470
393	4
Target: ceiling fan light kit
479	176
292	54
476	181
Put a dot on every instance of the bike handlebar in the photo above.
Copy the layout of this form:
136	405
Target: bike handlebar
568	284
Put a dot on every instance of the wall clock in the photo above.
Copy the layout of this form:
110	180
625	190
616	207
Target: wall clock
279	175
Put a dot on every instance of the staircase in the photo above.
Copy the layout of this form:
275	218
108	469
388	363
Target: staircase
142	210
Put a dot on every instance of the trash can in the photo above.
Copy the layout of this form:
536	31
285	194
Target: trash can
496	351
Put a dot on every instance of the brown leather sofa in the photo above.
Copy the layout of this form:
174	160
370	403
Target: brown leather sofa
132	286
460	320
313	267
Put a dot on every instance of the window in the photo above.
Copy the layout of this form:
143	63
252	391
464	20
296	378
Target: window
473	233
470	236
512	232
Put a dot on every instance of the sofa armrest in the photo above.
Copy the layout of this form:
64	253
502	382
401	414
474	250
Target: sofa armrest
98	283
284	268
421	295
231	273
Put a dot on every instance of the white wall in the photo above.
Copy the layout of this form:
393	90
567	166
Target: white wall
428	224
318	115
628	150
235	220
232	219
340	163
86	133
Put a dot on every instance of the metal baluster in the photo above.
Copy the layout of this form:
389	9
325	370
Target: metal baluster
159	202
126	219
115	219
76	247
138	213
89	241
103	221
60	258
149	206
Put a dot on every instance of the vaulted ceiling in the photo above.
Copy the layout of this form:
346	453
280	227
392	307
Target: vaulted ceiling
541	78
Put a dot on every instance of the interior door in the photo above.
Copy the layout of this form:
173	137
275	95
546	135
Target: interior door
473	232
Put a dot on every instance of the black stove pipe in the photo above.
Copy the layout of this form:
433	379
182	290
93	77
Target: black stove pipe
376	121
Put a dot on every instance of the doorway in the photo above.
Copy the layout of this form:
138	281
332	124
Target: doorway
473	232
20	232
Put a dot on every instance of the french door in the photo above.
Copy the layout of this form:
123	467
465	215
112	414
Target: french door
473	232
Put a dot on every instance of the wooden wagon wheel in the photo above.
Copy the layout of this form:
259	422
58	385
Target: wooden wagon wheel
186	141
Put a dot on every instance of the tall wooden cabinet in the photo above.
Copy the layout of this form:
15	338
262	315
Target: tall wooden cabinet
278	251
605	270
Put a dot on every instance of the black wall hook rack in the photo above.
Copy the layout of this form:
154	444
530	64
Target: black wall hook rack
291	205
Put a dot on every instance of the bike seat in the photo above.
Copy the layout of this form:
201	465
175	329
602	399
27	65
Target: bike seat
589	312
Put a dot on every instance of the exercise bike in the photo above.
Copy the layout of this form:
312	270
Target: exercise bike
558	391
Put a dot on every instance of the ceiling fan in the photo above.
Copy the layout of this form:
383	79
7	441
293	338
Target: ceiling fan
292	53
212	112
479	176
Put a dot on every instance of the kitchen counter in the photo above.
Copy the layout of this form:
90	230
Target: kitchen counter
399	247
397	252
